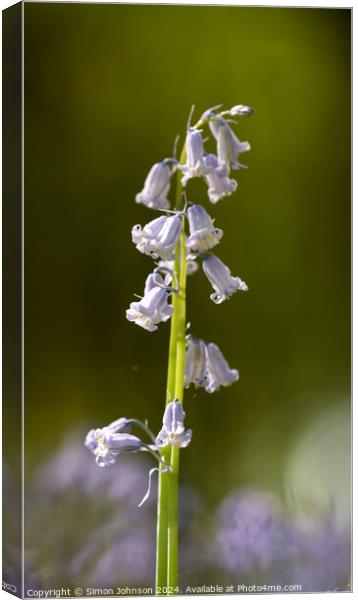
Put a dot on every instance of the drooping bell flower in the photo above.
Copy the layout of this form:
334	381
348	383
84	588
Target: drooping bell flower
159	237
203	234
219	183
218	372
195	362
173	432
151	310
107	446
156	187
221	279
228	144
194	148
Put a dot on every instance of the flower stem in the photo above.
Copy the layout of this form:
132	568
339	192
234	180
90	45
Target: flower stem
162	527
162	509
173	479
167	513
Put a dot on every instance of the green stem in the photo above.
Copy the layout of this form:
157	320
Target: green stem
144	427
162	527
162	510
167	513
173	480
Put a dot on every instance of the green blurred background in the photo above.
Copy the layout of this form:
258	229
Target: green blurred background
107	89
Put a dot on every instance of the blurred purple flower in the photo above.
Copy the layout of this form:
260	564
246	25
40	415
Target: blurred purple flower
250	531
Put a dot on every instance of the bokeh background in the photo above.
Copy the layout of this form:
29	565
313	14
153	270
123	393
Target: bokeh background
266	480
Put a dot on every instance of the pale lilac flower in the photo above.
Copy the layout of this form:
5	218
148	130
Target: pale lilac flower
151	310
173	432
218	372
159	237
219	183
228	145
142	236
156	187
203	234
156	280
194	166
121	425
107	446
221	279
195	362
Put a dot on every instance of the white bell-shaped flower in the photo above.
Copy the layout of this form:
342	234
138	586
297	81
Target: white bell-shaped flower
156	187
194	148
173	432
221	279
203	234
218	372
219	183
159	237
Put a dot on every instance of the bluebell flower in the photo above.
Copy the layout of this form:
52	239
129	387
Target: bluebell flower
217	178
221	279
141	236
228	145
203	234
121	425
218	372
156	280
151	310
156	187
195	362
173	432
107	446
194	166
159	237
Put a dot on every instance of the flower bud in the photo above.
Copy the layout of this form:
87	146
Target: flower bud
241	110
